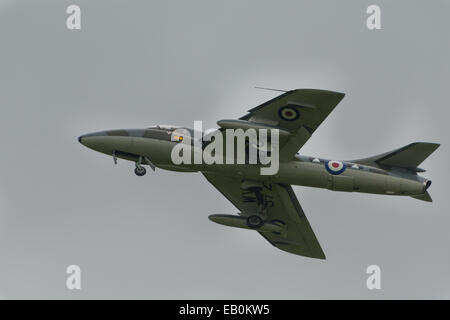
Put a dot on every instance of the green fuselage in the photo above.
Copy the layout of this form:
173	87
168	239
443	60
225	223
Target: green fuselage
157	146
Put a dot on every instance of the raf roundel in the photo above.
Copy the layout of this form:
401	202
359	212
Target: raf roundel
335	167
288	114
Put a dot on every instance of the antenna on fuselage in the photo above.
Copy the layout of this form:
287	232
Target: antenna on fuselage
271	89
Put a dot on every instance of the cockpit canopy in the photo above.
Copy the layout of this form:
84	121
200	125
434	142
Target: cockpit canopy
170	132
165	127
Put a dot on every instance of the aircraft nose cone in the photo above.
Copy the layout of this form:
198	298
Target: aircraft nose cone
92	140
106	141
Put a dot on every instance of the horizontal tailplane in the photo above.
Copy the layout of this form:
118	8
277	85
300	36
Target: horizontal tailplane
408	157
424	197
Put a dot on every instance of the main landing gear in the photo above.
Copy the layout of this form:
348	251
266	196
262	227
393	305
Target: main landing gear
256	221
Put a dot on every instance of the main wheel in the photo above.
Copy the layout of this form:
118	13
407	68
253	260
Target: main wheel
254	222
140	171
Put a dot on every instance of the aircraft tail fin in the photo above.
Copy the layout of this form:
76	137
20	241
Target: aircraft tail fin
407	157
424	197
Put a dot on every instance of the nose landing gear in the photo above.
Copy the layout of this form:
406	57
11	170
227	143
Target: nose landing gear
140	170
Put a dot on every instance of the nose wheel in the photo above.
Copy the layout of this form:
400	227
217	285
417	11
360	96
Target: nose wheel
140	171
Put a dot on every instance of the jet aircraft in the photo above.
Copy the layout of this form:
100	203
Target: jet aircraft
267	203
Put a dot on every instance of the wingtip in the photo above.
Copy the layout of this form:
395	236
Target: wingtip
318	257
322	257
436	145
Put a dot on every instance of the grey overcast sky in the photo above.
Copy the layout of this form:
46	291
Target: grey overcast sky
141	63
